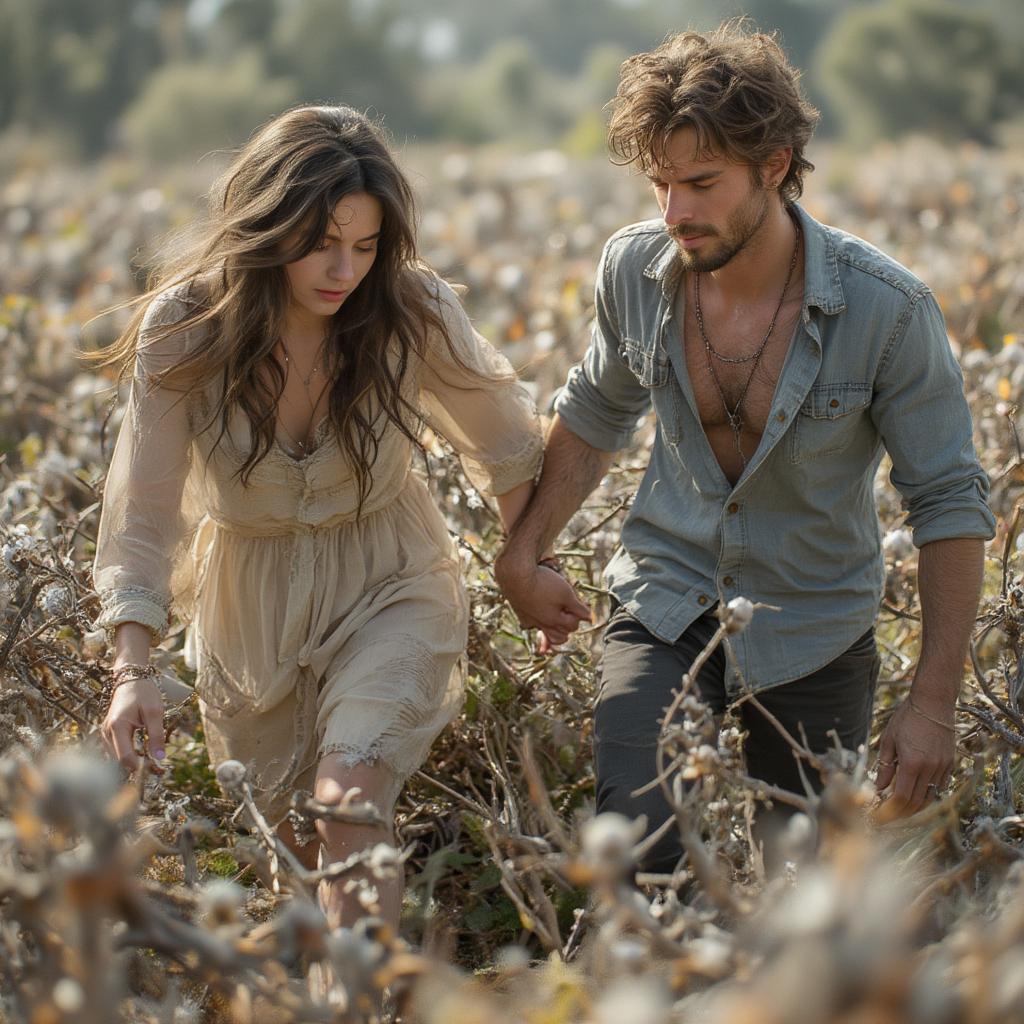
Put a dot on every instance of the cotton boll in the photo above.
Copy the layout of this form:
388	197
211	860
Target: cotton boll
56	600
384	861
14	552
79	786
94	643
512	960
639	1001
738	614
711	954
898	545
607	842
629	955
221	901
51	472
47	524
68	996
230	775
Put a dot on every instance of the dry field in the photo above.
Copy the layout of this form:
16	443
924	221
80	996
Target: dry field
147	901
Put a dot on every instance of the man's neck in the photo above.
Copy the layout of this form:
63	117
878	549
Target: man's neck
760	268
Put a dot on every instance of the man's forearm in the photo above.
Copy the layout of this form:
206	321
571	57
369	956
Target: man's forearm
949	581
917	752
572	469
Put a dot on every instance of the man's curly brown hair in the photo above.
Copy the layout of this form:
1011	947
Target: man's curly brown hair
734	87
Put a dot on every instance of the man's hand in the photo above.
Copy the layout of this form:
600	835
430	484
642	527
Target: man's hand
543	599
916	757
919	743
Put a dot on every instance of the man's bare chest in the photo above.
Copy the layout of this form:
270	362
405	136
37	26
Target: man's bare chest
736	386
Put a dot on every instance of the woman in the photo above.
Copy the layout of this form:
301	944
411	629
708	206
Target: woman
262	480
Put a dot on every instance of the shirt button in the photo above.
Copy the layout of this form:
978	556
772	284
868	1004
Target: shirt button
726	581
702	599
834	404
733	507
781	417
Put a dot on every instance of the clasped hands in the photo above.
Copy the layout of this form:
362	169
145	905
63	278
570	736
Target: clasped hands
918	746
542	598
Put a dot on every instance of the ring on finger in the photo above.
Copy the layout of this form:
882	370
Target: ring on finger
887	764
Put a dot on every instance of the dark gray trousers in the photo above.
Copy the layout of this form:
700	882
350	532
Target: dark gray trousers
639	673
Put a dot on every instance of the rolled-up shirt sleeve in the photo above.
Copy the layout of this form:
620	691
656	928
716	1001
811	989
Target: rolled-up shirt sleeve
923	417
602	401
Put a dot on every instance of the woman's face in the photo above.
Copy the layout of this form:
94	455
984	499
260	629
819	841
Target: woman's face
322	280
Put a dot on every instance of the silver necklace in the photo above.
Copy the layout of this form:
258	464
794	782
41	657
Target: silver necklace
306	381
734	415
304	446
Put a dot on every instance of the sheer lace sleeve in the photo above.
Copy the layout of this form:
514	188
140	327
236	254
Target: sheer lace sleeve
491	422
142	527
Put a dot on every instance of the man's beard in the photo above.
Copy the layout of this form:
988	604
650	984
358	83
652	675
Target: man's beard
740	229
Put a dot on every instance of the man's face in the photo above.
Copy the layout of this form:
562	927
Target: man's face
712	207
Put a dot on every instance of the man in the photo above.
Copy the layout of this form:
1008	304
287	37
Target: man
782	358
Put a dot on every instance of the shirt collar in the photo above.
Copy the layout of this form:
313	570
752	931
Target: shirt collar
665	267
822	287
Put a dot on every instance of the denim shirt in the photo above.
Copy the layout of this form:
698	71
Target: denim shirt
869	370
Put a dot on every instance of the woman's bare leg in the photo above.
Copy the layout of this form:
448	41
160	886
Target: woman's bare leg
333	780
306	855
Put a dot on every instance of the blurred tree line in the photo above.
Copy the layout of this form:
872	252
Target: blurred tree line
174	78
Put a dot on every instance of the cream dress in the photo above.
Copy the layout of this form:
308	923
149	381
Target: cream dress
314	631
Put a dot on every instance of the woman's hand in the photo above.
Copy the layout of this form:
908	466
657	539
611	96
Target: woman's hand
137	704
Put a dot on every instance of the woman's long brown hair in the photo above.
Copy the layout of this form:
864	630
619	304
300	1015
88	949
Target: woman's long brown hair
273	206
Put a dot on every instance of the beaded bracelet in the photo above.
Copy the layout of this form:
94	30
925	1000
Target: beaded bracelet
131	671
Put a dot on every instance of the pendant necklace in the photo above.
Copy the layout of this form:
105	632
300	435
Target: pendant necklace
304	447
734	415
